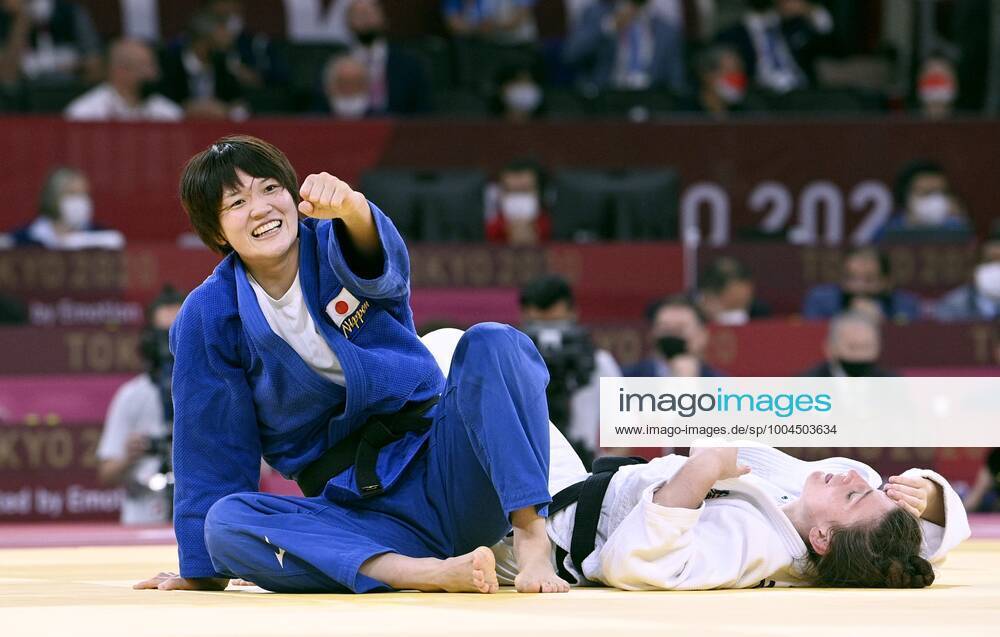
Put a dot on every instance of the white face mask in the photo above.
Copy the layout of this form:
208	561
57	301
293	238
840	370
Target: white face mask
522	97
931	209
520	206
353	107
733	317
41	10
76	211
988	280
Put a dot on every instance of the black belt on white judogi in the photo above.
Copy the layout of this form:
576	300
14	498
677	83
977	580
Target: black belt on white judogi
589	496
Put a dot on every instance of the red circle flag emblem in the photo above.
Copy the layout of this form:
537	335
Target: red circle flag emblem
341	307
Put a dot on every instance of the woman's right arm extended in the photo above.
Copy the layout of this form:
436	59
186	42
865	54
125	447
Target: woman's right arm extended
216	442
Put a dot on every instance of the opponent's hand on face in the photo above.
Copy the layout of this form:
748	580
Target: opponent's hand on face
724	459
326	197
174	582
910	493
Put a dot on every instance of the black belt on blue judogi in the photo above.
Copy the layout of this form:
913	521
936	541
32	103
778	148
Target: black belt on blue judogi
360	450
589	496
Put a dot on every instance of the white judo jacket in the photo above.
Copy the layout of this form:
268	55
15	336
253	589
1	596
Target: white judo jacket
737	538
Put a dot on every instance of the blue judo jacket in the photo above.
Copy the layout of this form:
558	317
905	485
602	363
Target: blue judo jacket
240	392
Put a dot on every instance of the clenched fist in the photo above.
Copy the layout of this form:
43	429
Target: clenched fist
326	197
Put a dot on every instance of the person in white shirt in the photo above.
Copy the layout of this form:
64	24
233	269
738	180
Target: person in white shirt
136	417
744	517
129	92
65	218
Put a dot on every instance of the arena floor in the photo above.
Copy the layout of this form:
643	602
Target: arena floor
81	591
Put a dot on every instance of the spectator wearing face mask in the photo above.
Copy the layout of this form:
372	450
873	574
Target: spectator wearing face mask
397	82
937	87
865	286
726	293
853	347
47	40
517	94
978	300
196	73
722	82
502	21
515	209
624	45
925	201
678	329
65	217
779	41
129	94
345	88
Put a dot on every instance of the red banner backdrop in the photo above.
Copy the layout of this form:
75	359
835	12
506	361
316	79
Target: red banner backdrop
822	182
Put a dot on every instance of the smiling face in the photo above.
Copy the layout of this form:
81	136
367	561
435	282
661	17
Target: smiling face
840	500
258	219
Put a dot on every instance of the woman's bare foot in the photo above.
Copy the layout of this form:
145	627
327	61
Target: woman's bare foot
474	572
540	578
534	555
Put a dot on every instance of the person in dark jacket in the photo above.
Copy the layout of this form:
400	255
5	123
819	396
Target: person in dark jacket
853	347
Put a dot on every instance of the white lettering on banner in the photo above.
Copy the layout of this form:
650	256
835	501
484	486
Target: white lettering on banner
48	503
801	411
876	198
714	198
819	214
82	500
816	198
773	198
15	502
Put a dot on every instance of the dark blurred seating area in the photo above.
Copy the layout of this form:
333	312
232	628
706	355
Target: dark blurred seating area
512	59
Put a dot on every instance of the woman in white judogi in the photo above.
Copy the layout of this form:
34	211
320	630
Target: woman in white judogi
752	517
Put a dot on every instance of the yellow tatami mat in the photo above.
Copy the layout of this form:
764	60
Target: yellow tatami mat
86	591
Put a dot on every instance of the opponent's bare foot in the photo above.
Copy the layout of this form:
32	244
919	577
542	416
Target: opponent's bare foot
534	555
474	572
540	578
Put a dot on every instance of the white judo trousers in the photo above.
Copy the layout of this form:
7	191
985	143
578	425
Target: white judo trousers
737	538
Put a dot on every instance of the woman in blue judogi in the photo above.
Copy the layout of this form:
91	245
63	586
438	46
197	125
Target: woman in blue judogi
300	348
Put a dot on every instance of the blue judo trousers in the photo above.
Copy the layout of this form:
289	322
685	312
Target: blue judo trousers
487	455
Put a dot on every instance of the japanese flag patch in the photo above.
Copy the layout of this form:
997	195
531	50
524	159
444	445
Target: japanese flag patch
342	306
346	311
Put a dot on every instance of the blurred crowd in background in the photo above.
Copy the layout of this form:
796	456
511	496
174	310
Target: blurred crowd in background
516	59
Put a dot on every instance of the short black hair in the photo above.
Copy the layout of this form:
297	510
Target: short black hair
909	173
709	59
212	171
169	295
526	164
674	300
721	272
545	291
884	264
